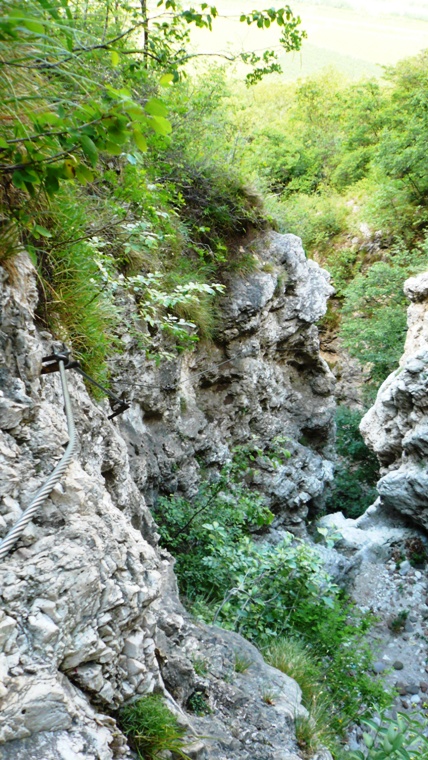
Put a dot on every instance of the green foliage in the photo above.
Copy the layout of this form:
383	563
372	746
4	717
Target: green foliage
197	703
398	623
152	728
266	591
357	469
230	507
58	125
89	107
315	218
374	312
344	165
402	738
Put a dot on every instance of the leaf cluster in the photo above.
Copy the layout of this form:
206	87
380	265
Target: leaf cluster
402	738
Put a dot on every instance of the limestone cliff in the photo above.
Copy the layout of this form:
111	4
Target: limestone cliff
89	613
396	427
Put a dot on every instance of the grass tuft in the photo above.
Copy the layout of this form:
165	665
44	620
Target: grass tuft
295	660
152	729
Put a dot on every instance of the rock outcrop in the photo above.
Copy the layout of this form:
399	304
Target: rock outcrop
262	378
89	613
396	427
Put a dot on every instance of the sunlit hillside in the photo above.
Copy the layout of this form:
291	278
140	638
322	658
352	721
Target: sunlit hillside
357	38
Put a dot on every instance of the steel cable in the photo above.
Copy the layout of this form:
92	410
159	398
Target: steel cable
12	537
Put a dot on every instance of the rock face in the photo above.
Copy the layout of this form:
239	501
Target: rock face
396	427
89	614
263	378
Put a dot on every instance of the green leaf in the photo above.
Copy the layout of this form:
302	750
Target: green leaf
18	180
3	143
42	231
84	174
166	79
135	110
32	254
156	107
139	140
51	183
113	148
89	149
114	58
160	125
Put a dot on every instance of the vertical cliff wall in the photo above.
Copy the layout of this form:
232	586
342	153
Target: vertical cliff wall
396	427
89	613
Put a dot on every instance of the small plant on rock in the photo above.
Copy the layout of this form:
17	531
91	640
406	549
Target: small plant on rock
197	704
416	551
397	623
152	728
242	663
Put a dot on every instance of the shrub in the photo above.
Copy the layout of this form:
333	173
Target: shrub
266	591
357	468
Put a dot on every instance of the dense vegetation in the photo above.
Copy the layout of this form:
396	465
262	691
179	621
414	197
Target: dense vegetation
357	468
343	165
267	591
102	191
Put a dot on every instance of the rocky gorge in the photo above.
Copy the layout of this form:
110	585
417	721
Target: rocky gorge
90	615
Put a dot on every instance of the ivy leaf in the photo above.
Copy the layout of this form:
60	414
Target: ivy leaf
89	149
114	58
160	125
155	107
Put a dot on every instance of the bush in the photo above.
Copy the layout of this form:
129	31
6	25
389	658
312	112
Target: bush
357	468
374	311
314	218
267	591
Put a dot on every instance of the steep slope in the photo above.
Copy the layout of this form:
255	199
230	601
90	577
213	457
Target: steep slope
89	614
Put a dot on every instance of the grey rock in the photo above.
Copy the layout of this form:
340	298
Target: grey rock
404	567
412	688
379	667
396	427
